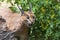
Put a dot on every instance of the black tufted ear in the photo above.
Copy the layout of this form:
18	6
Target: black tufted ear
30	6
19	7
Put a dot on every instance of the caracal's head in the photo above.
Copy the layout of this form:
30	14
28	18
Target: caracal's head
27	17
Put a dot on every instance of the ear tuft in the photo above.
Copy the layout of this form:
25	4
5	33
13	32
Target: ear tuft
30	6
20	8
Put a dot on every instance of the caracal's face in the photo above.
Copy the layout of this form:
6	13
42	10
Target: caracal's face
29	18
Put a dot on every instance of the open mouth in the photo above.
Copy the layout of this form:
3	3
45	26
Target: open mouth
30	24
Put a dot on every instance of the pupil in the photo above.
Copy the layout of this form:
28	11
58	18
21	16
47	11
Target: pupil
33	17
27	17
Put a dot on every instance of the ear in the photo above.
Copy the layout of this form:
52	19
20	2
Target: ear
19	7
30	6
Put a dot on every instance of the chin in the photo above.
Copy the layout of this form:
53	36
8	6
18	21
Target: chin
28	25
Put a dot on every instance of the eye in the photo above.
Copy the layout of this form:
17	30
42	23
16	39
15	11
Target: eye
33	17
27	17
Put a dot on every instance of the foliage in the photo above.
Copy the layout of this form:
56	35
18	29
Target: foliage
47	25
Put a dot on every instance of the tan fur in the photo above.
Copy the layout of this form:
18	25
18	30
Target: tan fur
15	22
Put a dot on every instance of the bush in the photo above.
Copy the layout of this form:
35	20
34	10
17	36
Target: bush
47	25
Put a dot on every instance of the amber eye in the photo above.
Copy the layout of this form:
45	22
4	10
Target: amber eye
27	17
